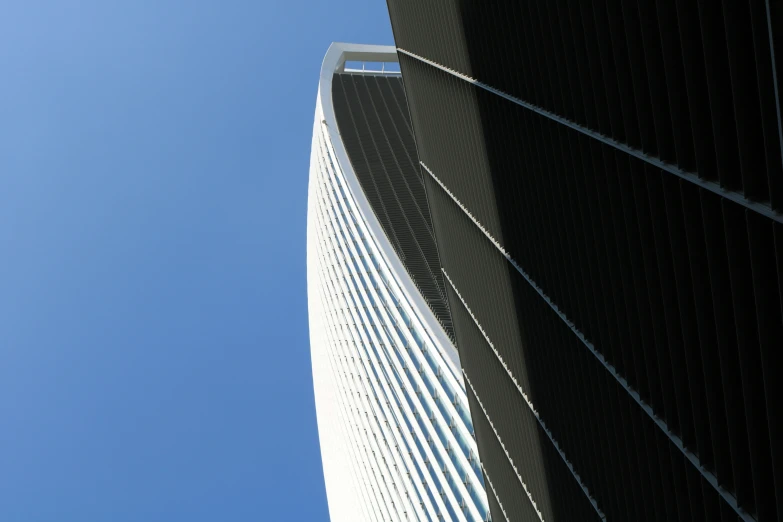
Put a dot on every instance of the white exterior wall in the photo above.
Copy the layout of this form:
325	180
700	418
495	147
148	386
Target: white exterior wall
393	420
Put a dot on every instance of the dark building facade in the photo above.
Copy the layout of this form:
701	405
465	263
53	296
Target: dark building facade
606	188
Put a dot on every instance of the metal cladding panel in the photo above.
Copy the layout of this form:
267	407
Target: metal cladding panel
372	115
693	84
605	184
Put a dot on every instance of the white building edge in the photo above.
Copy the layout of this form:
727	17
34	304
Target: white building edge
396	437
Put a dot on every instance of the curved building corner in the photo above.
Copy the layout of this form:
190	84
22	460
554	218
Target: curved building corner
396	436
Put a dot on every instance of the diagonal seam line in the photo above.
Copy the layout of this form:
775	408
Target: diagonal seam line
736	197
494	493
526	399
708	476
503	446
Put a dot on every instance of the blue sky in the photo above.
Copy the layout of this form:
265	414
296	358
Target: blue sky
154	357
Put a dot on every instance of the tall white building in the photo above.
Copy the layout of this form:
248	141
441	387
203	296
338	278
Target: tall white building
396	437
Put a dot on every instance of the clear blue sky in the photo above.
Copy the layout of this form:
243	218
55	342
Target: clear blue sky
154	356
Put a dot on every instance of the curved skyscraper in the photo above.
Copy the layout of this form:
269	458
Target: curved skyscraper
396	436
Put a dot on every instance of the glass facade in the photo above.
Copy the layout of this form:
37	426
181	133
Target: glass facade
396	435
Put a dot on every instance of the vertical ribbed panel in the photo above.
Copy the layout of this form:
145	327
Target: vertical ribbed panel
635	298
